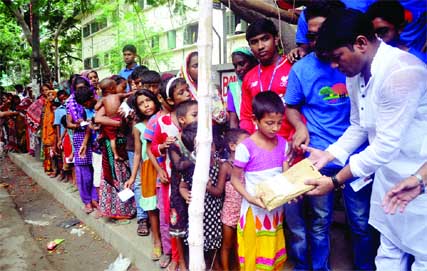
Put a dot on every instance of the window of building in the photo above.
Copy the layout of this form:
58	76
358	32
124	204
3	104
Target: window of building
86	31
143	4
95	62
87	63
94	26
106	59
155	43
171	35
190	34
234	24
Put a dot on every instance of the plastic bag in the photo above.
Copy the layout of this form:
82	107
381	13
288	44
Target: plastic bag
120	264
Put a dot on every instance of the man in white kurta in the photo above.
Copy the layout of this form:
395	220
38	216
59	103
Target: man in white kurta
388	93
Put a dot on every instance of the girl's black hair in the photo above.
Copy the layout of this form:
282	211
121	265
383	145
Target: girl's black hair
151	96
64	121
189	133
232	135
92	71
48	85
79	80
171	88
267	102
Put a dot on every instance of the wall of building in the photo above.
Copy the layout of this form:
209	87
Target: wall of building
159	19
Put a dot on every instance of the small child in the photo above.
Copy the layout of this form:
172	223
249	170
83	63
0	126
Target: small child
175	91
182	170
212	203
232	200
112	97
161	173
260	237
146	105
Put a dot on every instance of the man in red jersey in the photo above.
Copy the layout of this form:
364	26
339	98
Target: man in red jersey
270	75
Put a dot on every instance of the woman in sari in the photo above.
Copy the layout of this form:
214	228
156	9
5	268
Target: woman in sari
49	135
189	71
12	144
34	118
114	174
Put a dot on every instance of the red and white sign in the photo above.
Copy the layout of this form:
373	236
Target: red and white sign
227	77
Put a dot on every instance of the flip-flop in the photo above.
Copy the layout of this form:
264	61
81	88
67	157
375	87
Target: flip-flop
156	253
164	261
121	221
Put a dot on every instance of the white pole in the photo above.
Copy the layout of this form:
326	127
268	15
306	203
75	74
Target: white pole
203	138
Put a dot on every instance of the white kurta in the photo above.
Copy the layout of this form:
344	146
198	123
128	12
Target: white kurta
391	112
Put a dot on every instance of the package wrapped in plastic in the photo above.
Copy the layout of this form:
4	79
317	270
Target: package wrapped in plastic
288	185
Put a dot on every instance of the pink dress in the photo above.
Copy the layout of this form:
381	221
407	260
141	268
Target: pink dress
232	201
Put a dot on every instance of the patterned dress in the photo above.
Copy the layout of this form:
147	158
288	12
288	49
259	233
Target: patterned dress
212	215
260	237
232	201
115	174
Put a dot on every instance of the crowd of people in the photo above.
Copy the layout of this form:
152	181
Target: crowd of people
352	97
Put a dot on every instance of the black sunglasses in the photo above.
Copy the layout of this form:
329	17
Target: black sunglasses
312	36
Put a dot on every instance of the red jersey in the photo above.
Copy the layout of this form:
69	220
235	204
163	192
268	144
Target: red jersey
251	86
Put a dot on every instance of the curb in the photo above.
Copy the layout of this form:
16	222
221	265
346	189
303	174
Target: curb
123	238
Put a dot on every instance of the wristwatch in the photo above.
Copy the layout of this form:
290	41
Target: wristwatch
337	185
420	182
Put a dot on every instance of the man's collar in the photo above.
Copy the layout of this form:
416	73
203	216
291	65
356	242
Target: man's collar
134	65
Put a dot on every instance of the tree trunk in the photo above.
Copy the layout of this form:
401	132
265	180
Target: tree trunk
203	138
35	41
55	38
19	15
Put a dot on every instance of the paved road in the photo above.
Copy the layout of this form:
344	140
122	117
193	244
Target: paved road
23	245
18	250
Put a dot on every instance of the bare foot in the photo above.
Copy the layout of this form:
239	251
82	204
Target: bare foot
95	204
172	266
182	266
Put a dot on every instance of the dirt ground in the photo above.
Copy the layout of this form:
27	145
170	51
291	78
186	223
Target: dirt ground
88	252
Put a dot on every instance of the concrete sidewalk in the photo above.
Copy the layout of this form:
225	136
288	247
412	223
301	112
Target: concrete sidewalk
18	250
122	237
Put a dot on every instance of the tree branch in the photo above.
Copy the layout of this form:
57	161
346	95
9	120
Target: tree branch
246	8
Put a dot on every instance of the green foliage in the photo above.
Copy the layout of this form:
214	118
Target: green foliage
127	19
54	16
14	64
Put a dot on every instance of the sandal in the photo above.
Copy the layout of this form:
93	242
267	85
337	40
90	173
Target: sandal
143	229
165	259
121	221
156	253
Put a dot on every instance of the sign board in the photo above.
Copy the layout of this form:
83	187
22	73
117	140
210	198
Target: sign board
227	77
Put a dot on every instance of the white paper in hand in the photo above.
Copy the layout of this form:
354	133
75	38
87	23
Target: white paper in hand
124	107
84	123
125	194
